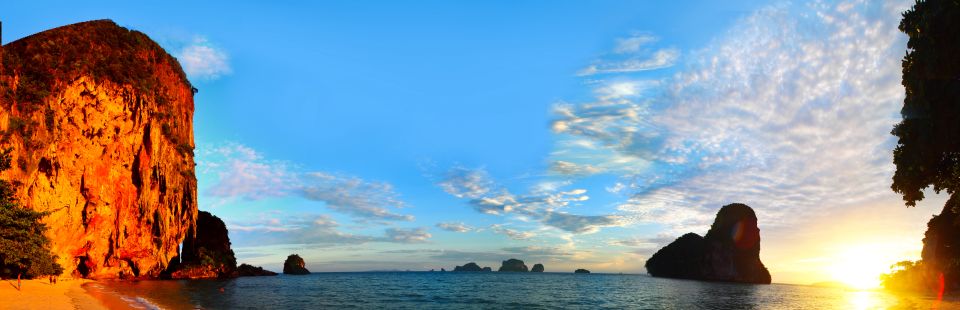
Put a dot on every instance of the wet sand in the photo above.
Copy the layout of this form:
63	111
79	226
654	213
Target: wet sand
41	294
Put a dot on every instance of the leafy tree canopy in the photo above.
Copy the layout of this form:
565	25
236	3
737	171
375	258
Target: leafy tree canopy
928	150
24	249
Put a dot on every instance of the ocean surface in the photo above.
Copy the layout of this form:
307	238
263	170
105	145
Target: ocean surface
491	290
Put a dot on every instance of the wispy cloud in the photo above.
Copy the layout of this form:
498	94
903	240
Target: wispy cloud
633	43
633	54
640	243
320	230
203	61
455	227
241	172
351	195
513	234
466	183
537	252
660	59
543	204
412	235
579	223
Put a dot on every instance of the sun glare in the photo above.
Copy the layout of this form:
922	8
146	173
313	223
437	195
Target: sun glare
859	268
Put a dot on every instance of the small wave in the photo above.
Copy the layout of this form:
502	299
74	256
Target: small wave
140	303
115	297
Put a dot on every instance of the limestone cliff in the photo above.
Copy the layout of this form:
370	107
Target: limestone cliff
730	251
100	119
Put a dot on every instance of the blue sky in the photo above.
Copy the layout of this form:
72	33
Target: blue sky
419	135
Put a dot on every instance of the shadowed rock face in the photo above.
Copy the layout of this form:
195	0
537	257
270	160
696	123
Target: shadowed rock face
537	268
295	265
206	254
468	267
513	265
729	252
100	119
487	269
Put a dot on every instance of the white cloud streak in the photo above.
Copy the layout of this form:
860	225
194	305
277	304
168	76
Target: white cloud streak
241	172
201	60
512	233
455	227
320	230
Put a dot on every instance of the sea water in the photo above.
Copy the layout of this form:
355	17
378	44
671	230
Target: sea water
493	290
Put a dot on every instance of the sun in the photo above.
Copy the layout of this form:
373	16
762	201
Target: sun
859	268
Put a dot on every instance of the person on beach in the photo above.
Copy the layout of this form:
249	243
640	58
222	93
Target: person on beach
18	281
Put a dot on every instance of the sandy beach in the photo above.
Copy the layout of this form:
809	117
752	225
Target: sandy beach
41	294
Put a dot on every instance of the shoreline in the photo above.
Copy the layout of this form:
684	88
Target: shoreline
41	294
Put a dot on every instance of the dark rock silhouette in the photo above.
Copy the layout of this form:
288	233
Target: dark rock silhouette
729	252
581	271
513	265
681	259
471	266
487	269
245	270
443	270
294	265
206	252
537	268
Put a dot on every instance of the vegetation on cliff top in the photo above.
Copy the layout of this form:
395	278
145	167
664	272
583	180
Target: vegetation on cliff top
38	64
24	248
97	48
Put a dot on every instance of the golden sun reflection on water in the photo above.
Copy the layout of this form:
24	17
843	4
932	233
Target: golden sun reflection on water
883	299
863	300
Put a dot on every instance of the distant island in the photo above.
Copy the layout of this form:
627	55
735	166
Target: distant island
513	265
729	252
471	266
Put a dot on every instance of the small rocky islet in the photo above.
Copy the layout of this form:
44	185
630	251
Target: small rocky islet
294	265
537	268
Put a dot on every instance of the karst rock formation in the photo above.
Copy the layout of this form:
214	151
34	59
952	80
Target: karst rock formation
100	120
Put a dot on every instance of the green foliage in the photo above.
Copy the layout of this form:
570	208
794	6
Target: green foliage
22	128
100	49
910	276
24	249
928	150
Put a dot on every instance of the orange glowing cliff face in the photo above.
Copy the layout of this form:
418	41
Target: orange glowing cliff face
103	140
